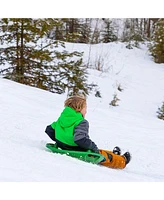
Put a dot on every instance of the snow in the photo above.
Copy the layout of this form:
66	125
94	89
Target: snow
133	125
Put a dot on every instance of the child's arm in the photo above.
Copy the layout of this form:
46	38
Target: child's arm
81	137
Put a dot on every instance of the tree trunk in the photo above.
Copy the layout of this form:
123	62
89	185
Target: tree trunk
21	54
148	29
17	52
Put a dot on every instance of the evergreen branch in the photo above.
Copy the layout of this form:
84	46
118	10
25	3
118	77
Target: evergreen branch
4	70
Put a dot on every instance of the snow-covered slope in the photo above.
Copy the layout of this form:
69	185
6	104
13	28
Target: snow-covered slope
133	125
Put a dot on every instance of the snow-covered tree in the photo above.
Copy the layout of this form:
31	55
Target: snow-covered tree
23	48
31	57
161	112
108	34
157	48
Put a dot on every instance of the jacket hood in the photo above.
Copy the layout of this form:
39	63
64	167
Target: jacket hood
69	117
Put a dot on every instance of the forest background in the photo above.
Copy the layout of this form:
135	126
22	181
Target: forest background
33	50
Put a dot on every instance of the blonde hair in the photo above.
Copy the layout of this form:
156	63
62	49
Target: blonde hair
77	102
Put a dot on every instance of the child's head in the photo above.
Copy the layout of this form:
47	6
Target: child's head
78	103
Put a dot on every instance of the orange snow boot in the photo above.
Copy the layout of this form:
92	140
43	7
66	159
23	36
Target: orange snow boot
113	160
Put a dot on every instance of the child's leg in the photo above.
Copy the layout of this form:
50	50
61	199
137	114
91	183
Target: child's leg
50	132
117	161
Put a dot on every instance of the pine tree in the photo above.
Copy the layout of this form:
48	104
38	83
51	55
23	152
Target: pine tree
108	33
72	33
32	57
78	30
133	30
69	74
74	76
23	47
68	31
157	48
161	112
85	30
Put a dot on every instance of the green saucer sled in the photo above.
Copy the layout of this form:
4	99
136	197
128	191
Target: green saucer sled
86	156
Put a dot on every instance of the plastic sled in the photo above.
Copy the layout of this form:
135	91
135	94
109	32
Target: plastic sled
87	156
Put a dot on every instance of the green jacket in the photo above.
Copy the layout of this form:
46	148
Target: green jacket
65	125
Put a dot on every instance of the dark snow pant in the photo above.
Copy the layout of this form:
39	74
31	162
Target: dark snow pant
50	132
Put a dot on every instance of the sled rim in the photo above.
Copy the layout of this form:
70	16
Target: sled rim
86	156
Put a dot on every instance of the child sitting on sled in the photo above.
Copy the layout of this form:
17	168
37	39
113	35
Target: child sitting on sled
70	132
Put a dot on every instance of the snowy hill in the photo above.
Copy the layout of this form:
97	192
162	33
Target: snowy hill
133	125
